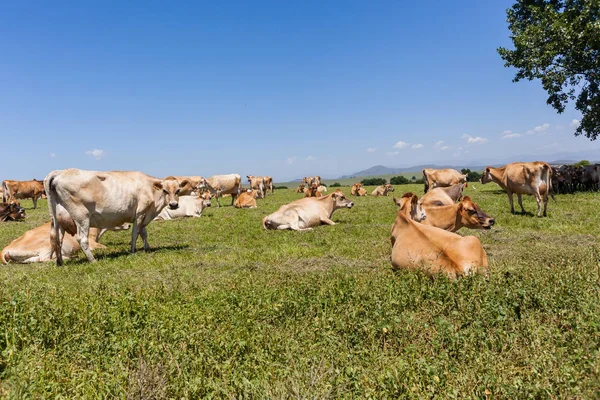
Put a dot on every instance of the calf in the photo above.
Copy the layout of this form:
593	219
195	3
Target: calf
419	246
22	190
247	199
455	216
106	200
304	214
189	206
382	190
522	178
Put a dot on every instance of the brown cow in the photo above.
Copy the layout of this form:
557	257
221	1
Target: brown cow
455	216
223	184
382	190
11	211
304	214
433	178
259	184
247	199
522	178
313	191
355	188
300	188
419	246
22	190
443	195
309	180
362	192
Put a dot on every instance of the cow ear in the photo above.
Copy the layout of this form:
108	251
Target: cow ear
157	185
466	198
396	201
184	183
414	199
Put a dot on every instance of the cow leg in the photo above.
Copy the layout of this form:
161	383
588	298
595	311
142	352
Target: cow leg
144	235
34	202
83	233
219	198
510	200
545	203
134	235
520	198
326	220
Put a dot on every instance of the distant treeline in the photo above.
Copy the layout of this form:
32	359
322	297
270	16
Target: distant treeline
473	176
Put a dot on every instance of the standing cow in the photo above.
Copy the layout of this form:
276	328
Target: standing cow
433	178
223	184
107	200
12	190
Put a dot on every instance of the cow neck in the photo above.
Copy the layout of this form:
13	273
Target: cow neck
451	223
498	175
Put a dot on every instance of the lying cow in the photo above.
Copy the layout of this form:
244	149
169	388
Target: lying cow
261	184
433	178
107	200
12	190
301	188
355	188
247	199
382	190
313	191
189	206
322	189
443	195
522	178
34	245
454	216
304	214
362	192
224	184
419	246
11	211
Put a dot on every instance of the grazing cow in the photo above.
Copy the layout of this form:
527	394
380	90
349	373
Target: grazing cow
11	211
106	200
309	180
455	216
522	178
34	245
22	190
258	183
304	214
443	195
300	188
247	199
189	206
313	191
355	188
223	184
382	190
433	178
419	246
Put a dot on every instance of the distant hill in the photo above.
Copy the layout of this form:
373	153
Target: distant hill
382	170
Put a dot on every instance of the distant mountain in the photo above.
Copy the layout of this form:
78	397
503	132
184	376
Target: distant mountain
382	170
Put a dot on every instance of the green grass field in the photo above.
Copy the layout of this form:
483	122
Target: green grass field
221	308
352	181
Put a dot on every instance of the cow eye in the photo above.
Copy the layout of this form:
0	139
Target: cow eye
472	212
165	191
177	191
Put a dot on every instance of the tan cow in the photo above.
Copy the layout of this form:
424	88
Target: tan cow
224	184
355	189
247	199
300	188
382	190
322	189
192	186
304	214
362	192
106	200
189	206
22	190
312	191
522	178
454	216
433	178
443	195
309	180
434	250
259	184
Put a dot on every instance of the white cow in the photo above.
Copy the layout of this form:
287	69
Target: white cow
106	200
189	206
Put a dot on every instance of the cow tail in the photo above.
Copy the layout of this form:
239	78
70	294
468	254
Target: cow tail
425	181
548	174
55	242
5	192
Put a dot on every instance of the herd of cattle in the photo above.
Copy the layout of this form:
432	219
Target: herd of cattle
85	204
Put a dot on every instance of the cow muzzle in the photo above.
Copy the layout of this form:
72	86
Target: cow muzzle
489	223
350	205
173	205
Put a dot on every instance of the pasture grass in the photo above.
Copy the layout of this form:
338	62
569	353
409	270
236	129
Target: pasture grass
221	308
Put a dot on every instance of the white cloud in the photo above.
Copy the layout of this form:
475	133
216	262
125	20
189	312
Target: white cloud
401	145
310	158
392	153
371	150
291	160
511	135
439	145
575	123
507	132
417	146
96	153
538	129
52	155
471	139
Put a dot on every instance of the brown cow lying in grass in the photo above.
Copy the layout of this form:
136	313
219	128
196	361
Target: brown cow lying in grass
312	191
11	211
306	213
382	190
247	199
443	195
434	250
454	216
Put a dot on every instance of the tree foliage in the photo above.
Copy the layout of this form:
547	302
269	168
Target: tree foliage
373	181
473	176
336	184
582	163
399	180
558	42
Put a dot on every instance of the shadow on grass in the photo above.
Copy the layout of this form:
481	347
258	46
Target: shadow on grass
121	253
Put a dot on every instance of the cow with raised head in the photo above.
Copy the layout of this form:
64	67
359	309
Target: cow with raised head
454	216
304	214
189	206
247	199
107	200
355	188
523	178
312	191
382	190
223	184
13	190
309	180
259	184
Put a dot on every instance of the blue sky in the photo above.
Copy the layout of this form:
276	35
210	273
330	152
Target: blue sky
266	88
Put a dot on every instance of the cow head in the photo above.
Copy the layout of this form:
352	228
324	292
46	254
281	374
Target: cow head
171	188
250	177
486	177
472	217
340	200
411	207
11	211
389	187
206	199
